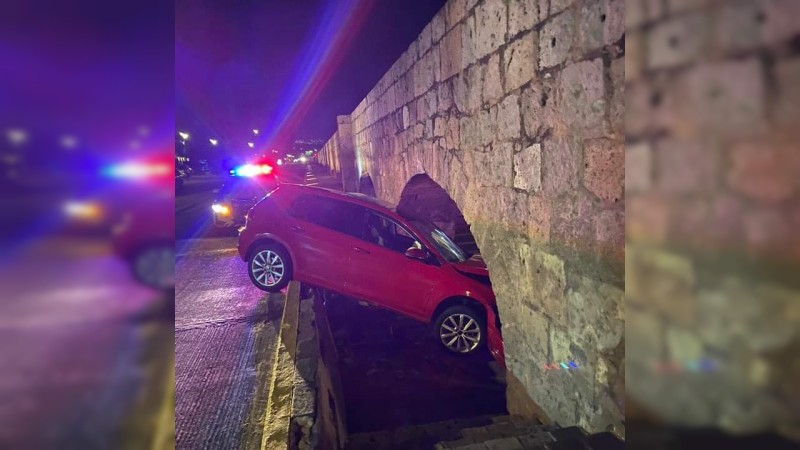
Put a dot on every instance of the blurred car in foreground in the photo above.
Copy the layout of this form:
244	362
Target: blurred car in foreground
246	185
355	245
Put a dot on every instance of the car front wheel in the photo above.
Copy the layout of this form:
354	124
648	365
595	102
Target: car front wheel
270	268
460	329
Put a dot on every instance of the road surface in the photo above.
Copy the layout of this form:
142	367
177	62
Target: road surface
84	350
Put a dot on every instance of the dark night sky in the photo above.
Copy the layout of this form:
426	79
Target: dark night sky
235	62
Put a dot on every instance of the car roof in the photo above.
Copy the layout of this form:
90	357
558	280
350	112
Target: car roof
352	197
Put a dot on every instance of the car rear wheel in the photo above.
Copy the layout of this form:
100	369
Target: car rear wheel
270	267
460	329
154	266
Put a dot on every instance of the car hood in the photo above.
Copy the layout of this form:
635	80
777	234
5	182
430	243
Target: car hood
473	265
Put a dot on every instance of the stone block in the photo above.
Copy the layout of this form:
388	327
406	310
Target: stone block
451	53
572	225
492	83
596	314
445	96
670	282
490	27
638	167
439	126
616	110
467	89
469	39
559	166
452	137
604	168
738	25
539	218
519	59
726	98
547	274
487	122
438	25
764	170
633	56
787	108
609	235
455	11
556	6
644	337
522	16
469	132
508	118
494	166
581	97
508	443
781	22
600	23
678	41
686	166
424	74
538	109
528	168
555	40
424	39
635	14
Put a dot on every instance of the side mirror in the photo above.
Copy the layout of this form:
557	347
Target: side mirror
417	253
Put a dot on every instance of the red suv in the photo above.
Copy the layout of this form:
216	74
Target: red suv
363	248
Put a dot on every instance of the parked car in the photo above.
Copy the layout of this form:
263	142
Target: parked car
363	248
238	194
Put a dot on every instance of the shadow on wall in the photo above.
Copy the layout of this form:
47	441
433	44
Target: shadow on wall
423	197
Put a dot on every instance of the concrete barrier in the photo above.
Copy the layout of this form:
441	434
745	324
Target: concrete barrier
305	403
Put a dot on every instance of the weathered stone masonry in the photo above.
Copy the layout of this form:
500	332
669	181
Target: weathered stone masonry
515	108
713	187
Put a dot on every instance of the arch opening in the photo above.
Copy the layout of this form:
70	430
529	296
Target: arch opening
423	197
366	187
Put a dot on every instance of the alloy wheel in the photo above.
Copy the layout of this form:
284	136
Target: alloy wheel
268	268
460	333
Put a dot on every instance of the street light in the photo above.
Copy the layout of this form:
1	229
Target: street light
255	131
184	135
213	141
250	144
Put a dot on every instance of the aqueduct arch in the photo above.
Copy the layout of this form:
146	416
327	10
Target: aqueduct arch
480	123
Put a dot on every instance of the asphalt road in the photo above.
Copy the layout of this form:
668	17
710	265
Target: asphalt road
225	328
84	350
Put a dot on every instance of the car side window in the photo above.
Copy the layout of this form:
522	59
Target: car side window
382	231
332	214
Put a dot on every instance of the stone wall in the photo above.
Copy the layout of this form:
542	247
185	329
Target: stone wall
713	189
515	108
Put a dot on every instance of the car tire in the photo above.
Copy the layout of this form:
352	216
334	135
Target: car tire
461	330
264	274
154	266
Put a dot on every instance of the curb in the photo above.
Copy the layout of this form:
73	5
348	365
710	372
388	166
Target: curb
278	415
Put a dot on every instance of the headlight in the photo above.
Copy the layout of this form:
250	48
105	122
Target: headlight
220	209
83	210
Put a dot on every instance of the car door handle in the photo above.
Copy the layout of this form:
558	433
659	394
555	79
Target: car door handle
361	250
297	229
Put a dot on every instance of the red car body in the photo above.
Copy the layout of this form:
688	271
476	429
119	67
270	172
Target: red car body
356	267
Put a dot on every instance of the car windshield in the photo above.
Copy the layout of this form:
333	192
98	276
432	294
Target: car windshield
247	188
446	247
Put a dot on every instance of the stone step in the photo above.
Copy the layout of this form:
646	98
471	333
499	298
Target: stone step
505	432
422	437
